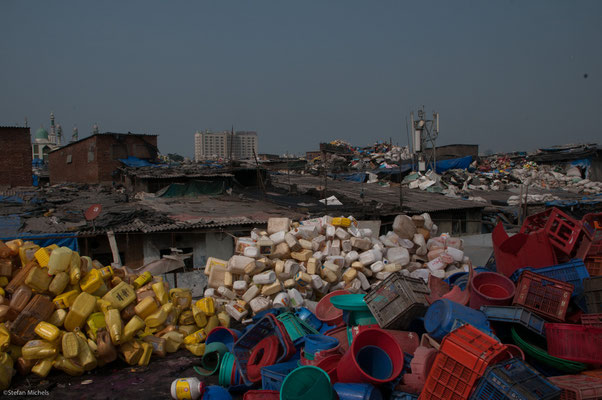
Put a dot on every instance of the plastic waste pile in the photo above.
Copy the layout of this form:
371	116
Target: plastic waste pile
62	311
511	333
295	264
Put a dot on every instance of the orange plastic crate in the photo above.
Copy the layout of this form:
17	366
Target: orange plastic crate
463	357
592	320
544	296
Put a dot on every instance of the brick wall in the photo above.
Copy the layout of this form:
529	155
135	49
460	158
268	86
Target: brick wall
15	156
94	159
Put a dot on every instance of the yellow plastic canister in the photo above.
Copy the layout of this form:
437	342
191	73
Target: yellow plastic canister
121	296
70	345
186	318
58	283
224	319
6	370
114	325
198	349
196	337
102	290
173	341
3	281
43	256
187	329
38	349
206	305
65	300
344	222
38	279
58	317
94	322
75	268
160	292
47	331
106	272
143	279
200	318
43	366
147	351
27	252
4	337
85	356
212	322
181	297
59	260
91	281
132	327
158	317
68	366
80	310
132	351
103	305
146	307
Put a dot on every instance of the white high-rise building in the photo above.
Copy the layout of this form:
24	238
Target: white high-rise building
215	145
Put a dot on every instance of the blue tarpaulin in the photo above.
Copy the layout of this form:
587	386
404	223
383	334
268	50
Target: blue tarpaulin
136	162
454	163
46	239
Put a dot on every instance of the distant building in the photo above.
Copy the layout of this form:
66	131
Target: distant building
15	156
213	145
310	155
95	158
45	142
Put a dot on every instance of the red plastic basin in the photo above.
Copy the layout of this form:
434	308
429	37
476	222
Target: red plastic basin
490	288
328	313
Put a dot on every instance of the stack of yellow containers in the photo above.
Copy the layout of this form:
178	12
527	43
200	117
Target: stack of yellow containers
59	310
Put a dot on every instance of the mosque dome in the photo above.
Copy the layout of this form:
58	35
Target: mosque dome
42	134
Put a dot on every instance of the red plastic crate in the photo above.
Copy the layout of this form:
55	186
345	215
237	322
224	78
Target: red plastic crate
594	220
575	342
544	296
463	357
578	387
562	231
594	320
535	222
594	265
261	395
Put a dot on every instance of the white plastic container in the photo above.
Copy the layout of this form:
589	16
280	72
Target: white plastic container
277	237
251	251
364	281
240	287
265	278
252	292
436	264
237	264
187	388
278	224
292	242
236	311
421	243
399	255
346	246
210	292
354	231
457	255
370	257
351	257
296	300
291	268
330	231
225	292
281	300
338	260
377	267
259	304
342	234
318	242
306	244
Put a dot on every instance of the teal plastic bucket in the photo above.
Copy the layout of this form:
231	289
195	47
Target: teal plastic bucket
306	383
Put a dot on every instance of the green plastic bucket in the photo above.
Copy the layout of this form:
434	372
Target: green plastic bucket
306	383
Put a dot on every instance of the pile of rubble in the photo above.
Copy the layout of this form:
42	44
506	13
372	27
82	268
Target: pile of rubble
296	263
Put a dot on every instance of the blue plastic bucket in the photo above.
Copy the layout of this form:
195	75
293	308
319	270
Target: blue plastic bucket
216	393
441	315
357	391
375	362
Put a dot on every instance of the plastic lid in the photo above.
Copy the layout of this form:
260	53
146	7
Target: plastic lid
436	316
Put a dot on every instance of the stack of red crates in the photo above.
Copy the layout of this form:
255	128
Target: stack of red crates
463	357
575	342
544	296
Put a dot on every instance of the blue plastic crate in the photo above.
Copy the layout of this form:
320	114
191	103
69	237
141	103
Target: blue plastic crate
272	376
573	272
516	315
512	379
243	347
403	396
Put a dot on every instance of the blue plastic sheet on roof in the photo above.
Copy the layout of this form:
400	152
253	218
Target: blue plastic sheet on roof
46	239
136	162
11	199
454	163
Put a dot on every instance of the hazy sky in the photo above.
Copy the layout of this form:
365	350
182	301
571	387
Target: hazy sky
507	75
